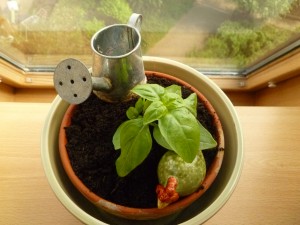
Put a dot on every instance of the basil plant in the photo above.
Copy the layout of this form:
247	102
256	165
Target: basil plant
175	127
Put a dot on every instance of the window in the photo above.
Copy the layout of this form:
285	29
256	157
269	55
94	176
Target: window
233	37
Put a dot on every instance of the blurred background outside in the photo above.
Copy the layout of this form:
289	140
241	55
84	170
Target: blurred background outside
213	36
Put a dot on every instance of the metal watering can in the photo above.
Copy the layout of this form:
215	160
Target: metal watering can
117	66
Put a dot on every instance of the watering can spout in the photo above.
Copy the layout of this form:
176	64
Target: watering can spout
117	66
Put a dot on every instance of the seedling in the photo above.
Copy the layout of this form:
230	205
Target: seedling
175	127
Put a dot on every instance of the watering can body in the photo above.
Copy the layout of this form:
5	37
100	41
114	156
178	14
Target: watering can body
117	57
117	66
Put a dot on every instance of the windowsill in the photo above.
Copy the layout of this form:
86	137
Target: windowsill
262	196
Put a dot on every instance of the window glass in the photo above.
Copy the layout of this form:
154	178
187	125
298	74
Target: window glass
226	36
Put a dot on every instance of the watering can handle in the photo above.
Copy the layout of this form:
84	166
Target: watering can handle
135	20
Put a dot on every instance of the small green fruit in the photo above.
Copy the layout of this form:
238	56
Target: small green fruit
188	175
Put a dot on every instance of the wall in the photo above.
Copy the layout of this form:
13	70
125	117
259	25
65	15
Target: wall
286	93
6	93
241	98
9	94
34	95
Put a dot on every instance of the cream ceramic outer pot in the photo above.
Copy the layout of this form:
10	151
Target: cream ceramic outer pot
203	208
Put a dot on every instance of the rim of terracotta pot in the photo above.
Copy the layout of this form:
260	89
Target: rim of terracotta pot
145	213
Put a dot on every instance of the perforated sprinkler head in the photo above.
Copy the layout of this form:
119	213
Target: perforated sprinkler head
74	83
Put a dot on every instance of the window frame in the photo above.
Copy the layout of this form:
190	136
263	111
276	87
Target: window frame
280	69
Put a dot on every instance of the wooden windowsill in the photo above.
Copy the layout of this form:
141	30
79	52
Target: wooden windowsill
267	191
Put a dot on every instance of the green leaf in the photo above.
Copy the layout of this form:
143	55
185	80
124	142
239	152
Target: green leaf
136	143
170	97
206	139
139	105
146	105
172	101
174	89
181	131
154	111
160	139
151	92
191	103
117	137
132	113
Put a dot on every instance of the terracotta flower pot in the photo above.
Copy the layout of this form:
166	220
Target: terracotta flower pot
202	208
145	213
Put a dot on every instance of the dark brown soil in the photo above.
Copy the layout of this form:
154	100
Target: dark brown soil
93	156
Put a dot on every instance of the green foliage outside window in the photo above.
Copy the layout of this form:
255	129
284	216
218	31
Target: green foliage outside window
241	42
265	8
251	35
69	25
117	9
74	22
